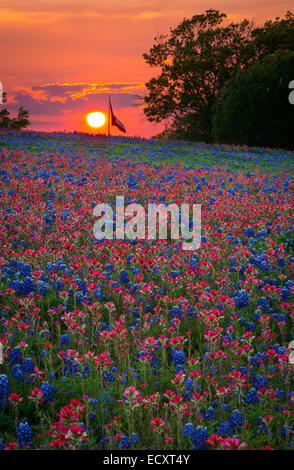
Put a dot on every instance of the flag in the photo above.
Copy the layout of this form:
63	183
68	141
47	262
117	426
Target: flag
114	120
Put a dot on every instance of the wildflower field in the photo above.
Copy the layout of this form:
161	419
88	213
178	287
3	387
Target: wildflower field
119	344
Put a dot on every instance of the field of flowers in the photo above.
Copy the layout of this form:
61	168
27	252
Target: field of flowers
119	344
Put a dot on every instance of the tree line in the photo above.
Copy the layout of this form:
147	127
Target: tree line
224	82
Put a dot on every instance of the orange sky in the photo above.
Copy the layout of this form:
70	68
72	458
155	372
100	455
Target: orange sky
62	58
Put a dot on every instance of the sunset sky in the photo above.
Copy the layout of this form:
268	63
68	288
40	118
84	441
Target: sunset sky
60	59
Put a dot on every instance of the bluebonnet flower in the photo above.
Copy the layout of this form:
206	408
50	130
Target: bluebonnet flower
48	392
93	401
175	311
124	277
64	339
198	436
129	258
280	393
189	387
225	428
261	381
251	397
258	359
17	373
110	377
236	419
46	334
14	356
154	364
127	442
193	263
132	182
174	274
28	365
4	389
227	407
24	435
263	304
289	283
42	288
241	299
210	414
285	293
188	430
2	446
261	425
249	232
24	269
179	359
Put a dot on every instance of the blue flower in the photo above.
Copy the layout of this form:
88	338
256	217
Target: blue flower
28	365
124	277
251	397
198	436
236	419
42	287
261	381
4	389
189	386
48	392
249	232
14	356
178	357
64	340
241	299
175	311
210	414
17	373
127	442
24	435
225	428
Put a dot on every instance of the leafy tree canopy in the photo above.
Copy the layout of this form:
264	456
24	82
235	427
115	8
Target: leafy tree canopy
254	109
196	60
17	123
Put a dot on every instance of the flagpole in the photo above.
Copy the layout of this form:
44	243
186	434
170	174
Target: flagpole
108	115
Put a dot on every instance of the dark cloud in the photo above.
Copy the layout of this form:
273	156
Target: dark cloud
40	107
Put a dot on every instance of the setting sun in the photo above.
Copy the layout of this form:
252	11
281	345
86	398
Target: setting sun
96	119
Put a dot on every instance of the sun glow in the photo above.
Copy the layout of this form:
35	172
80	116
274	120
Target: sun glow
96	119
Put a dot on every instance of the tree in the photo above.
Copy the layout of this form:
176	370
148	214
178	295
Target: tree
18	123
21	121
274	36
4	114
4	119
196	59
254	108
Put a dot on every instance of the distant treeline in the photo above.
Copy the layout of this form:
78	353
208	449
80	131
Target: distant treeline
224	82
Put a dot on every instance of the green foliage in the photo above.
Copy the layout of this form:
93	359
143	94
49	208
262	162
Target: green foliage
254	109
18	123
21	121
197	60
275	36
4	119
